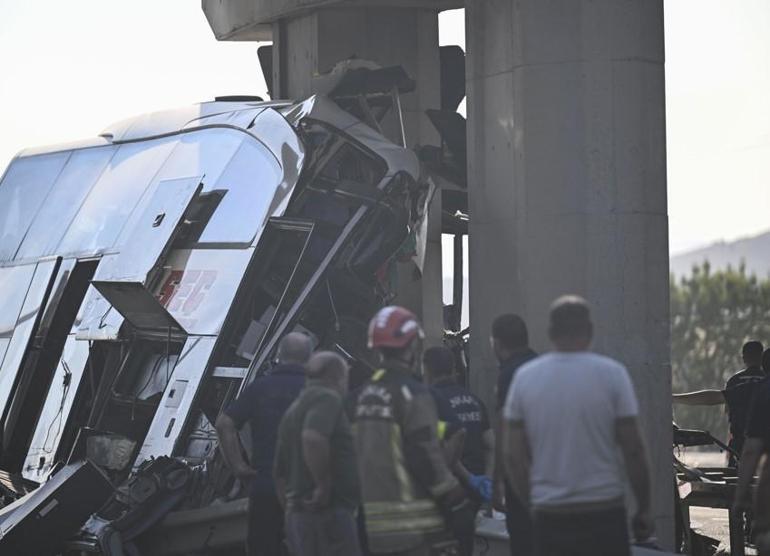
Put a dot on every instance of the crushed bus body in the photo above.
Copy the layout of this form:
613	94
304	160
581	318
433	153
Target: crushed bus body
147	276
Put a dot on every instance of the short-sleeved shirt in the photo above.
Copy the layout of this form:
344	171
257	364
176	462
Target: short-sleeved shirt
262	404
758	423
472	415
508	369
320	409
569	403
739	392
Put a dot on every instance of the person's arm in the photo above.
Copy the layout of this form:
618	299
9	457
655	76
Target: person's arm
453	449
750	456
230	445
280	466
320	422
498	473
701	397
423	454
463	475
280	491
426	461
635	456
488	441
316	451
629	439
756	432
480	484
516	458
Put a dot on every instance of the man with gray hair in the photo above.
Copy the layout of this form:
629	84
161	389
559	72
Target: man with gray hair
565	415
315	464
262	404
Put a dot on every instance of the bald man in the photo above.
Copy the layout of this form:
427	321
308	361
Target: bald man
315	465
262	404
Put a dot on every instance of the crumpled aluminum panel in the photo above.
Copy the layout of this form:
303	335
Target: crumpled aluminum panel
321	108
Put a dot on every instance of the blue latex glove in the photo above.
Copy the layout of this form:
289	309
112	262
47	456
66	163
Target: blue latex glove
482	485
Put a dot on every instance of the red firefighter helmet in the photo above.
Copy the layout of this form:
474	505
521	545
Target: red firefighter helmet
394	327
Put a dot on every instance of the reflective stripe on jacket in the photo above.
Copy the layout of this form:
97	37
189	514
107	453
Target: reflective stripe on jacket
401	464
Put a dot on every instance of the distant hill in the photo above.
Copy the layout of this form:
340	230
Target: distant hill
754	251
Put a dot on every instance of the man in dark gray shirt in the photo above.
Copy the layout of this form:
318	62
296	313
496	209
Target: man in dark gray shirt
510	342
315	465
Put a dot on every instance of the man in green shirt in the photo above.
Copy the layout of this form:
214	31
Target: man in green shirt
315	465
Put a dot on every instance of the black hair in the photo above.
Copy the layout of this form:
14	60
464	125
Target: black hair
753	350
570	317
439	360
766	361
511	331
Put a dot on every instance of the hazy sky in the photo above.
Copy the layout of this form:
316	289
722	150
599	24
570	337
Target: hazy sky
68	69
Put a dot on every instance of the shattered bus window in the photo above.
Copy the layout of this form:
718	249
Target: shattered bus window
50	425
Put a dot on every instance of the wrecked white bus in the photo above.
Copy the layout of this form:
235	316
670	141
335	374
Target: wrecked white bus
146	276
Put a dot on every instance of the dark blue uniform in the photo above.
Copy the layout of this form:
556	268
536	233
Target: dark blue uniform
758	421
739	393
460	409
262	404
518	520
508	368
445	414
471	414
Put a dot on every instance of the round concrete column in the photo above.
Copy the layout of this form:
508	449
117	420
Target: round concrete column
567	184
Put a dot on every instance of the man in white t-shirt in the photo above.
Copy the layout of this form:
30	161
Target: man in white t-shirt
566	415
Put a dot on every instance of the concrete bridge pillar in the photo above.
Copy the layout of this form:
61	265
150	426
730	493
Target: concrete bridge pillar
567	185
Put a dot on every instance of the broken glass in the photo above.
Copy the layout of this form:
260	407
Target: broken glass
56	409
97	319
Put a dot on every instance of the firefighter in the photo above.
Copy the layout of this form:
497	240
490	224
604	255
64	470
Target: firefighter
413	505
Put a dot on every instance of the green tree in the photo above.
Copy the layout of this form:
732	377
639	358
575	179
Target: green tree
712	315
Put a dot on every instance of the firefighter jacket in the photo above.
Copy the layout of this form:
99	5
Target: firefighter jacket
402	468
